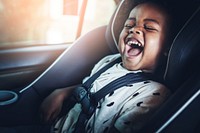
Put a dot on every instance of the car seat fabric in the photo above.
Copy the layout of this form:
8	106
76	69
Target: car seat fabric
184	54
74	64
116	23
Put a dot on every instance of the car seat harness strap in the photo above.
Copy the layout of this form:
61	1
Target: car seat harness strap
89	100
88	83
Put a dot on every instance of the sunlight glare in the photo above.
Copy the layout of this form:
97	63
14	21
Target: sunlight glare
56	9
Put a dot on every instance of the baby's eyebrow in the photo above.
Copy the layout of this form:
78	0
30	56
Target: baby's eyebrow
151	20
145	20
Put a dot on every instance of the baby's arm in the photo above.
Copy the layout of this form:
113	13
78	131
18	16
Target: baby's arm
52	105
137	111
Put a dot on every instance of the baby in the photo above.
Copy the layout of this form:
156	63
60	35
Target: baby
142	43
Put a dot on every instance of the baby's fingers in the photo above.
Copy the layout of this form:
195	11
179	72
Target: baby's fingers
53	117
45	116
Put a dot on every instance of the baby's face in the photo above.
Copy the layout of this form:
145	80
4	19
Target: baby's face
143	37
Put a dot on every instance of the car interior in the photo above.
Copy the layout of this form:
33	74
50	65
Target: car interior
180	113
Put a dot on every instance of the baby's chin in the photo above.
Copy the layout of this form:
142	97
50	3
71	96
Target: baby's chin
131	64
130	67
136	68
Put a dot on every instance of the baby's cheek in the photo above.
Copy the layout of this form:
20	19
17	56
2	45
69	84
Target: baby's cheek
122	48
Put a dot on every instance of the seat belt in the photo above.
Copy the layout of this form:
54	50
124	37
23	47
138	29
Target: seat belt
89	101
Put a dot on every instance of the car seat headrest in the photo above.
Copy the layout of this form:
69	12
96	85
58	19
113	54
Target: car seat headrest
184	55
116	23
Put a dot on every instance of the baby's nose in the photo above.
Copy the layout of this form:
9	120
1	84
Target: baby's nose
136	30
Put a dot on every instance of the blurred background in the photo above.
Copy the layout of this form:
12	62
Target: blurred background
36	22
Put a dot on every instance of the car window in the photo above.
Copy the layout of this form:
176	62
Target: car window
35	22
98	13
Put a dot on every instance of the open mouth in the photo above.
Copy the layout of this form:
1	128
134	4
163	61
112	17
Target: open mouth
134	47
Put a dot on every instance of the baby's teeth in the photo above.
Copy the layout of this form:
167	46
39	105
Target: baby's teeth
130	42
135	43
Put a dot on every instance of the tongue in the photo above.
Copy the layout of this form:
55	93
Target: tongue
134	51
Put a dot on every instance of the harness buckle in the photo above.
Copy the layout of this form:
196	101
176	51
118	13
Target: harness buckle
81	96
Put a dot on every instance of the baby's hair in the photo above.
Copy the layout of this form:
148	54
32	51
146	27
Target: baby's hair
162	5
174	22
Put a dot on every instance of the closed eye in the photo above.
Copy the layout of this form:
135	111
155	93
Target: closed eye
149	28
128	26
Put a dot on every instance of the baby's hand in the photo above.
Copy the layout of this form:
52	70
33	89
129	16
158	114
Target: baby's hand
51	106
